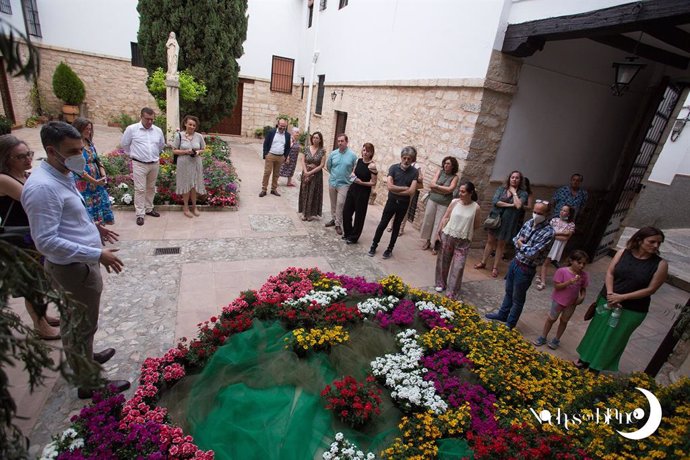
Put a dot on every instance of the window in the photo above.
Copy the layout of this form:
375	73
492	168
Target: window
323	5
137	58
5	7
302	95
33	25
319	95
343	4
311	14
281	74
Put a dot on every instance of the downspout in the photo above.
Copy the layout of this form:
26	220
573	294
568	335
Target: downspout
314	59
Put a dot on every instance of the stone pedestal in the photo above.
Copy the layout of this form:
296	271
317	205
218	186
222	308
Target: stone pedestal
172	104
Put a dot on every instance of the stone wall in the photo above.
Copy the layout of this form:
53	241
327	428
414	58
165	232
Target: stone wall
261	106
113	85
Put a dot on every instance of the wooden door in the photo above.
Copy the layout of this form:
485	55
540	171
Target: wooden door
340	124
232	124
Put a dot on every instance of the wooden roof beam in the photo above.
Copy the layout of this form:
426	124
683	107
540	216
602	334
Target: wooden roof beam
674	36
652	53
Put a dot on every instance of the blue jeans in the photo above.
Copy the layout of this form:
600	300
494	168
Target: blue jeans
518	280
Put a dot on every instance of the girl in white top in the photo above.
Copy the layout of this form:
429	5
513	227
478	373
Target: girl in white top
457	229
564	228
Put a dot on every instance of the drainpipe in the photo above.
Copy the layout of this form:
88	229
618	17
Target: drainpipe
315	57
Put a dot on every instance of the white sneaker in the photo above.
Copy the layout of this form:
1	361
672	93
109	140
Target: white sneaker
439	289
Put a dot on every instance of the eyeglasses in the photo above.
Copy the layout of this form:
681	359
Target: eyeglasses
24	156
542	201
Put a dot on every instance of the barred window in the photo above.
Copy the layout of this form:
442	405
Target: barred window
281	74
137	58
343	4
5	7
31	14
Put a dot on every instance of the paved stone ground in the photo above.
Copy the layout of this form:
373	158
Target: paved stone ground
158	299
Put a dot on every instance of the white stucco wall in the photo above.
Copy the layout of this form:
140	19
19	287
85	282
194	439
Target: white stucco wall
675	156
103	27
381	40
531	10
564	118
276	28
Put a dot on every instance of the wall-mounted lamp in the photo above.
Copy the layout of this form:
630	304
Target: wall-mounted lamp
334	94
679	125
625	73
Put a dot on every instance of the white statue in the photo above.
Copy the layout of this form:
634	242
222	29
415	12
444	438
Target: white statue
173	52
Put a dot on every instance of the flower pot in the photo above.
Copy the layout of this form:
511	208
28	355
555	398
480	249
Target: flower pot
71	112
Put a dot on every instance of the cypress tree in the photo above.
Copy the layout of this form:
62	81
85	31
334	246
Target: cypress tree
210	34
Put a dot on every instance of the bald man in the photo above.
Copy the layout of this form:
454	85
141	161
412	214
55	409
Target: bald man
532	245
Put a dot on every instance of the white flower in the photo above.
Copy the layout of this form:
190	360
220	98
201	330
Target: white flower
442	311
326	456
49	452
111	198
323	298
338	437
126	198
123	186
372	305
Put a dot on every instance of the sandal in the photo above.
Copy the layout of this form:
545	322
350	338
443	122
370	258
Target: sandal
540	284
494	272
581	364
479	266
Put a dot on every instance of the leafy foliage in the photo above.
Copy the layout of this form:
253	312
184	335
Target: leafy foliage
21	274
210	34
67	85
190	89
16	64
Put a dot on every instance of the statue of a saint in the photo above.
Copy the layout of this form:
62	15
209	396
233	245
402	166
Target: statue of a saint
173	52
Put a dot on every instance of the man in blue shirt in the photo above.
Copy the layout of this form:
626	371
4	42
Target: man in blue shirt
73	247
340	166
532	244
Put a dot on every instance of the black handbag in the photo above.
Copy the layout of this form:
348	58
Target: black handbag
493	221
19	236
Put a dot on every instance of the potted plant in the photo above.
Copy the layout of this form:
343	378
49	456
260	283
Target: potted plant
69	88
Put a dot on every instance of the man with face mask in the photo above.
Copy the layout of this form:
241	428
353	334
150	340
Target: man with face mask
72	245
532	245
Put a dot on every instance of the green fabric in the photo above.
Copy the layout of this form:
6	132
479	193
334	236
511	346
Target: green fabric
255	399
603	345
454	449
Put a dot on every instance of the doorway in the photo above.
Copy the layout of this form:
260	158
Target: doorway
233	123
340	124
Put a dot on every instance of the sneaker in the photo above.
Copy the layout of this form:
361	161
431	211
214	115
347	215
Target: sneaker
262	194
350	241
338	230
387	254
372	251
439	289
541	340
495	317
330	224
554	343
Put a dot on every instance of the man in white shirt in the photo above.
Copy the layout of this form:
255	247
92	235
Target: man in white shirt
143	143
73	247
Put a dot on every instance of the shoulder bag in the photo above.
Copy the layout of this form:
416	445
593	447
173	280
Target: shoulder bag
19	236
493	221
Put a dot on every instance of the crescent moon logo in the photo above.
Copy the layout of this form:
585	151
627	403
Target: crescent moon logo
652	423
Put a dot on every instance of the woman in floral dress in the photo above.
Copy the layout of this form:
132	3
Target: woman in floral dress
189	175
287	169
311	185
92	182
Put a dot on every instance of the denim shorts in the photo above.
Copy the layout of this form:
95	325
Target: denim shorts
557	309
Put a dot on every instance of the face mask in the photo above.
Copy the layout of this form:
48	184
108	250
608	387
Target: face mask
75	163
537	218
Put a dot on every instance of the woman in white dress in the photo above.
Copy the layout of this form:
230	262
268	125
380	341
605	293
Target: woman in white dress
189	182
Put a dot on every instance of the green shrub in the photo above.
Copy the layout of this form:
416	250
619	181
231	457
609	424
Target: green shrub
123	120
267	129
67	86
190	89
5	125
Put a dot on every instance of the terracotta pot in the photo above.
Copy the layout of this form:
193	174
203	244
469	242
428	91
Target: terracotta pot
71	112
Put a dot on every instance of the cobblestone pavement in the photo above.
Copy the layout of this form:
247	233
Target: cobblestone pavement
157	299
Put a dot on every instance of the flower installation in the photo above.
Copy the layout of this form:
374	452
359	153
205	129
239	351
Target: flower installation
353	402
220	178
446	384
